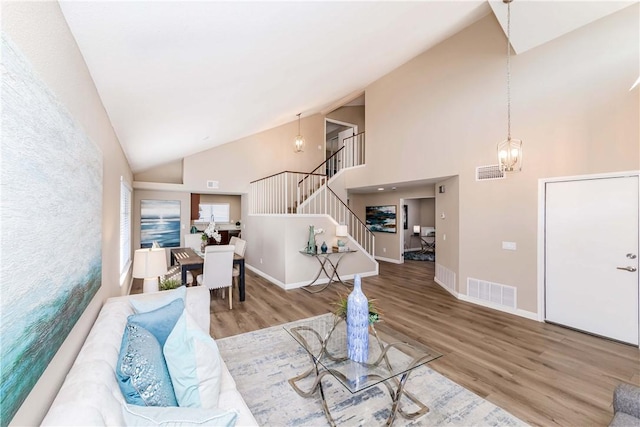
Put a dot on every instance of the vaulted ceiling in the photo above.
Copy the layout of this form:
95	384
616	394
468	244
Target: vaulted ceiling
179	77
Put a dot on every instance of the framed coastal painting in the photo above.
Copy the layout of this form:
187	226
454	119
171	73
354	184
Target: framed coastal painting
381	218
160	222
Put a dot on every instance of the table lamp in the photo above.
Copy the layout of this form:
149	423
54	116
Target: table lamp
148	264
416	230
341	231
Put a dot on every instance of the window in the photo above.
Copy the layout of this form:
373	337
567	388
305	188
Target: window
218	211
125	229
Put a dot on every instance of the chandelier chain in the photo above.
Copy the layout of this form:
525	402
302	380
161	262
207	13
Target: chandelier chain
509	71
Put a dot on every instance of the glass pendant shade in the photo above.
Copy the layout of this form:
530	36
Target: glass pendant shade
510	155
298	144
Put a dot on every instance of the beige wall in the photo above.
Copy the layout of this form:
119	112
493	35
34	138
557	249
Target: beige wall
236	164
428	212
447	222
388	245
354	115
445	112
170	173
274	244
41	33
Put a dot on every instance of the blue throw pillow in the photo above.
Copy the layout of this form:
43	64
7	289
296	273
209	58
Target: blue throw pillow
154	300
142	372
160	322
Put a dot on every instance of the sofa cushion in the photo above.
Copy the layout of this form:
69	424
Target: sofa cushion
622	419
194	364
142	372
172	416
155	300
159	322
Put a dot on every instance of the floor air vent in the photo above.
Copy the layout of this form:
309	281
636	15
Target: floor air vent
492	292
484	173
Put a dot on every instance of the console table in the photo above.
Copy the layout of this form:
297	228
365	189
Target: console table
328	266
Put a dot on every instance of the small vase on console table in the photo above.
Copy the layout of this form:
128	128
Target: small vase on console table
357	324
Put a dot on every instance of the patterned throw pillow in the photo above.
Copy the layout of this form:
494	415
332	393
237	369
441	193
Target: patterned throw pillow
142	371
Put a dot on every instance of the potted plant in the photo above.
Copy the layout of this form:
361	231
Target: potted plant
170	283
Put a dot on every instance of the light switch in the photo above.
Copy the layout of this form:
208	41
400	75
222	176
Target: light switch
510	246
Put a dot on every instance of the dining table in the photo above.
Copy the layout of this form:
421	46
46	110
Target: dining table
188	259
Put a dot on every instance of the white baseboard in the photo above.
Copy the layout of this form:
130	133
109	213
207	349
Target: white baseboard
463	297
289	286
451	291
395	261
518	312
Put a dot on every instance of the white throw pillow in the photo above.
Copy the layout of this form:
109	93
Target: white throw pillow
150	302
175	416
194	364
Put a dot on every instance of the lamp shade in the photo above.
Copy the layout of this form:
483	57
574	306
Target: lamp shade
341	231
149	263
416	229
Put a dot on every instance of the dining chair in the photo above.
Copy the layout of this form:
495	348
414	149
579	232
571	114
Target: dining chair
240	246
218	269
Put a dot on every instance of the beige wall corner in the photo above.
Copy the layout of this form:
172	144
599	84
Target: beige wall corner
447	222
235	164
169	173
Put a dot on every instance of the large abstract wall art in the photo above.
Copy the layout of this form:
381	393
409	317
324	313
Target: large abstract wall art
51	227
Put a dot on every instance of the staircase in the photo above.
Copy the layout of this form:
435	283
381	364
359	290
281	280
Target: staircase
291	192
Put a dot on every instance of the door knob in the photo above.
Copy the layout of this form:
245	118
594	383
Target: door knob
629	268
631	256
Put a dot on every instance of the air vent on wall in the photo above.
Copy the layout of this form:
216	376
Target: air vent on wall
484	173
492	292
212	184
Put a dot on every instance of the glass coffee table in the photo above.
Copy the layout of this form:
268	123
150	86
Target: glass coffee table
392	357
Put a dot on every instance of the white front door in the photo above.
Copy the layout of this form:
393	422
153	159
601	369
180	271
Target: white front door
591	256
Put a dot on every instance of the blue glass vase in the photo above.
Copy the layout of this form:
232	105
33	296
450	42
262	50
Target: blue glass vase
357	324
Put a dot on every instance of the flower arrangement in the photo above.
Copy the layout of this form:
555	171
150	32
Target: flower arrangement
341	309
211	232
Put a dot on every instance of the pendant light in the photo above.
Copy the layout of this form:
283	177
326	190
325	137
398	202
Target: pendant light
509	150
298	144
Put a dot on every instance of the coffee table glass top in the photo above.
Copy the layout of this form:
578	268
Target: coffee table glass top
390	353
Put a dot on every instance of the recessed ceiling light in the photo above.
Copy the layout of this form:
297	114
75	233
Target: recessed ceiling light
380	188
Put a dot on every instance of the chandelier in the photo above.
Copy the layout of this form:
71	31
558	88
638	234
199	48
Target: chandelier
509	150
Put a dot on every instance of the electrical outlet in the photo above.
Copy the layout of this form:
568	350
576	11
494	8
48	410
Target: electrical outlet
444	237
260	260
510	246
384	250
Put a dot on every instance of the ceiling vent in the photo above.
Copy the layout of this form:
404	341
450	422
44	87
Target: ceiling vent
484	173
213	184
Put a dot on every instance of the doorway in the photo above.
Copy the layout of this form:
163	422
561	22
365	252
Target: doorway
335	134
590	256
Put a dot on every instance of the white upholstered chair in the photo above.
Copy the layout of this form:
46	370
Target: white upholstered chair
240	246
218	268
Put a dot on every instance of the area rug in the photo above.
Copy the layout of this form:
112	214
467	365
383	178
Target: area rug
420	256
261	362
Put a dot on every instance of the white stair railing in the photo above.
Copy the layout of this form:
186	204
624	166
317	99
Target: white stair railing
307	193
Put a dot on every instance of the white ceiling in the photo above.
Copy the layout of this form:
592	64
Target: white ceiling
180	77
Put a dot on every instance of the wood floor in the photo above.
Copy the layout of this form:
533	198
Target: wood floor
544	374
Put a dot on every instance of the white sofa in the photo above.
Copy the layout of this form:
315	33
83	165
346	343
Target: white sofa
90	394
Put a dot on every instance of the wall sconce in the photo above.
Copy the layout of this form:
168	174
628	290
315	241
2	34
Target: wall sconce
298	144
148	264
